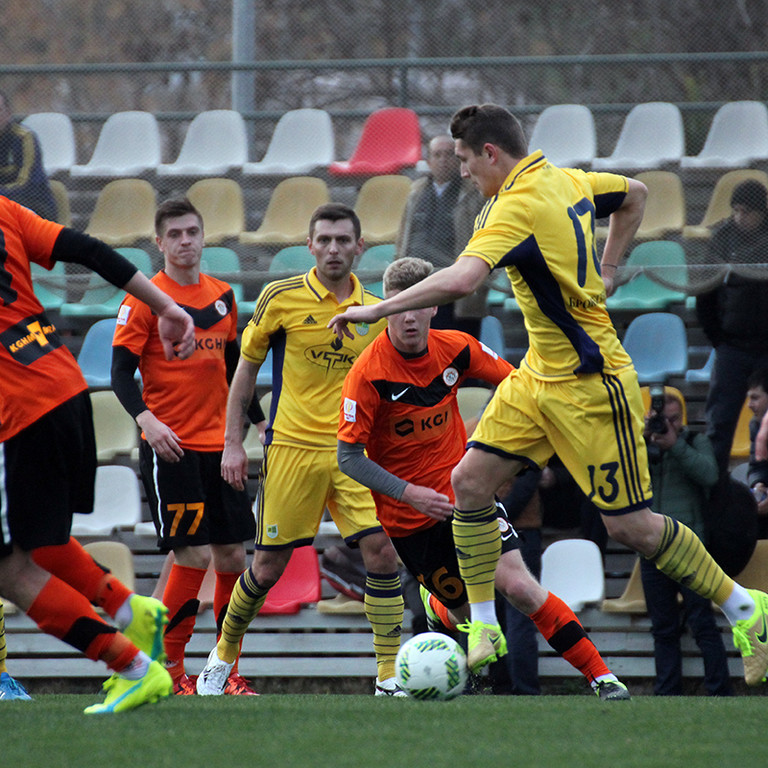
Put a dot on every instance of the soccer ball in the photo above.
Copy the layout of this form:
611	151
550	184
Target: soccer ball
431	666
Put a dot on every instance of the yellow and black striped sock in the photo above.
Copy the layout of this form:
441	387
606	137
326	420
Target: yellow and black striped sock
478	547
384	609
246	601
682	557
3	646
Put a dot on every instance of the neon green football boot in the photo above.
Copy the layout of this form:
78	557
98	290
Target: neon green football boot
147	626
485	644
124	694
750	636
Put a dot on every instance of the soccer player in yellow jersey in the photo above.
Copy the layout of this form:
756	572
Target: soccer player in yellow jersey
300	475
576	392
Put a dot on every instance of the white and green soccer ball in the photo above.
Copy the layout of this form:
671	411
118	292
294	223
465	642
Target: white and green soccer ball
431	666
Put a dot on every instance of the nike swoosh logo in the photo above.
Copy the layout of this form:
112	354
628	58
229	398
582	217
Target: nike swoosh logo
762	637
400	394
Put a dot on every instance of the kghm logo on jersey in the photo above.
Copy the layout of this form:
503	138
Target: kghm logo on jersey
35	333
450	376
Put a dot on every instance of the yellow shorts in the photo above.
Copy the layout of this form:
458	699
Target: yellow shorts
297	484
594	423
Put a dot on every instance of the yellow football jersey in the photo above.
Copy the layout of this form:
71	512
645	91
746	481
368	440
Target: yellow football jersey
540	227
309	361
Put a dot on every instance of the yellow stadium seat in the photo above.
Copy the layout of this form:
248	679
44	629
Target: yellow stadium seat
124	212
220	202
741	443
290	207
61	198
632	600
116	556
380	205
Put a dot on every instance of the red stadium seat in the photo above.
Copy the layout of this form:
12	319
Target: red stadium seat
391	141
299	584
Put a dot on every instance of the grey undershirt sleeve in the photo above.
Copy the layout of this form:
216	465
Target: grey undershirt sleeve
354	462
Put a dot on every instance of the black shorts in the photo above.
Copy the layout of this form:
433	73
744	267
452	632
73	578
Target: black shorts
430	557
190	502
47	473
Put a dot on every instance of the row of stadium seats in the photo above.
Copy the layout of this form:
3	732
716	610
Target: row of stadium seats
216	143
124	211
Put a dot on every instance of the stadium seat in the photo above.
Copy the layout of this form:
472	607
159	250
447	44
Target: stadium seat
657	342
124	212
373	262
128	145
61	198
50	285
288	212
116	431
56	135
390	142
740	473
299	585
291	260
380	205
115	556
215	143
741	445
102	299
719	205
303	140
492	334
95	356
573	570
222	263
220	202
117	503
737	137
632	599
565	133
657	258
664	209
472	401
704	373
652	135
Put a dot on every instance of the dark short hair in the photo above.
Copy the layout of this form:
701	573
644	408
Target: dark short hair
334	212
405	272
172	209
758	378
477	125
751	194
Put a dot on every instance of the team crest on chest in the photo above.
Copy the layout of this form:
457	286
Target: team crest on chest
221	307
450	376
362	329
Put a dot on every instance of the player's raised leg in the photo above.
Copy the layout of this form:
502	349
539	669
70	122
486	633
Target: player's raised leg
478	548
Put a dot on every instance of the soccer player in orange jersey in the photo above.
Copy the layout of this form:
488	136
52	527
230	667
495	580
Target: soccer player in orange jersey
48	462
181	412
399	405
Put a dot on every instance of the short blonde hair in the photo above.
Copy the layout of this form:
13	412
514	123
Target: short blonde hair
405	272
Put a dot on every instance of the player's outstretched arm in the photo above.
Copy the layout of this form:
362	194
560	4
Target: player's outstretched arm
463	277
234	460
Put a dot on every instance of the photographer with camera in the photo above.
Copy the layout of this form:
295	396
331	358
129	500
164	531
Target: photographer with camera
683	472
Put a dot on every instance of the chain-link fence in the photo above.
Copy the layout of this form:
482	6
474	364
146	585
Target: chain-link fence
93	59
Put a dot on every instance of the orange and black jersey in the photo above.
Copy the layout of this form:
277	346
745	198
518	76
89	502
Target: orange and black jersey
38	372
189	396
404	410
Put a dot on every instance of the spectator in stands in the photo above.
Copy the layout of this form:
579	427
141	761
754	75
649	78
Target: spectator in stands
757	473
22	177
683	472
437	221
49	464
300	476
734	315
181	412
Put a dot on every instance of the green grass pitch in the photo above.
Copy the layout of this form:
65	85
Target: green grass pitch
351	730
